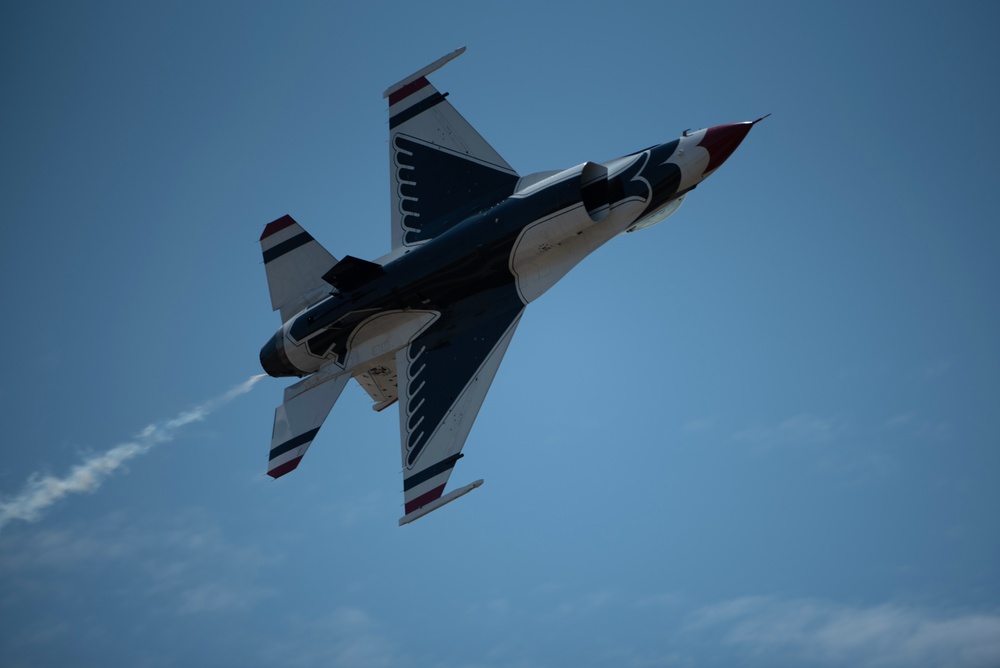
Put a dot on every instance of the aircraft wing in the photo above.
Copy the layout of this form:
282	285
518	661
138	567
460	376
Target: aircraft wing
444	375
441	169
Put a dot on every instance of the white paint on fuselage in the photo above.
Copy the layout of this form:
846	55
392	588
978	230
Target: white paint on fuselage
380	334
385	333
544	252
692	159
548	249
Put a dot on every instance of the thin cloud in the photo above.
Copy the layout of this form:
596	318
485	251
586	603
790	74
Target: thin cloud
935	369
41	492
825	633
923	429
348	636
216	597
590	603
181	563
703	424
900	420
797	430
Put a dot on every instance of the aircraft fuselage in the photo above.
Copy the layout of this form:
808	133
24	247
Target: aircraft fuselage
472	243
506	255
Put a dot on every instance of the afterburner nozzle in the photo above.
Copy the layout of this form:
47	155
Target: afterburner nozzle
273	359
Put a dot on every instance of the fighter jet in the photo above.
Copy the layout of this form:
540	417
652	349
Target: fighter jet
473	243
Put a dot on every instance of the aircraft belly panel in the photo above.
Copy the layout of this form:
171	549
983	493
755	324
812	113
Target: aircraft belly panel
385	333
547	250
298	354
380	381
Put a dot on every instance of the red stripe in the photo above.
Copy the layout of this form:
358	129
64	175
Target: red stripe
407	90
290	465
277	226
424	499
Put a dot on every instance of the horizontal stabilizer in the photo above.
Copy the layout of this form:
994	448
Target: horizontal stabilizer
295	263
444	500
352	272
297	421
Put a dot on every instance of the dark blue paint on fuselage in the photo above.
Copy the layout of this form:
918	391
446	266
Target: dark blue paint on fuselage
469	259
439	188
664	178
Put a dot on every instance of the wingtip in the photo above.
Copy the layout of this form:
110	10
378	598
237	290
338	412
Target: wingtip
287	467
421	73
431	506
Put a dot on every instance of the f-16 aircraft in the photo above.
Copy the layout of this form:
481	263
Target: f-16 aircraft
473	243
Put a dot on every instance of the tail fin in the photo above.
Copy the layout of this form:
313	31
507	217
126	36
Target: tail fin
295	264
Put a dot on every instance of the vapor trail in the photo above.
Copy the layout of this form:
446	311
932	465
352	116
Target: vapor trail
41	492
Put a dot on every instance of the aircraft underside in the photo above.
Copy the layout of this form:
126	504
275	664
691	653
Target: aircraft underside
472	244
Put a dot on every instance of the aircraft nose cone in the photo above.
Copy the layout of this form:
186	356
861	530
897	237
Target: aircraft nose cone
720	142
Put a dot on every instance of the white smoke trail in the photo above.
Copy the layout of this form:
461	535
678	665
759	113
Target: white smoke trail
41	492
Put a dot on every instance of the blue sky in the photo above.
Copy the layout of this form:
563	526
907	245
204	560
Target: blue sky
763	433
